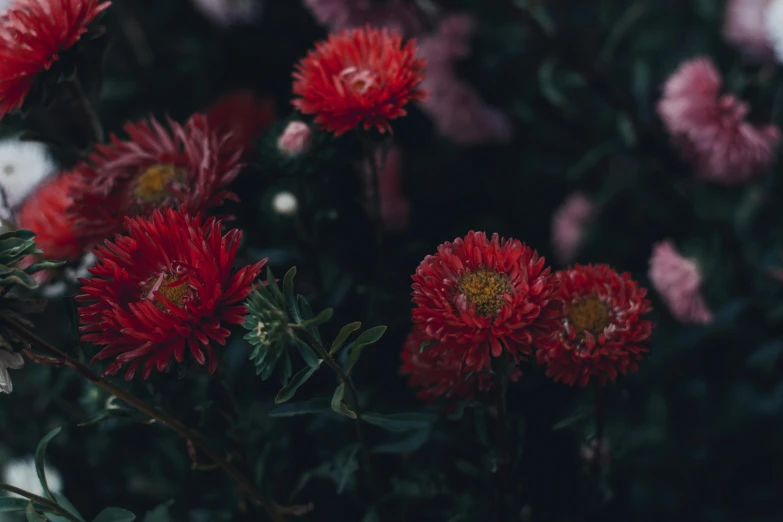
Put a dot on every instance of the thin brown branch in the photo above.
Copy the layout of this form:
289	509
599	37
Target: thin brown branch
199	441
48	504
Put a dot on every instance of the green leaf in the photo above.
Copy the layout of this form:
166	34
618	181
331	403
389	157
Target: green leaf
350	467
33	515
271	286
371	516
113	514
368	337
319	319
308	354
63	502
338	405
160	513
345	331
290	298
98	417
10	504
406	442
429	343
319	405
40	453
301	377
397	422
570	420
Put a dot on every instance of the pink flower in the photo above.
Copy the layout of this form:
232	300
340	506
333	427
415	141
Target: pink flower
395	207
347	14
455	107
568	226
295	139
744	27
678	280
710	129
227	13
589	452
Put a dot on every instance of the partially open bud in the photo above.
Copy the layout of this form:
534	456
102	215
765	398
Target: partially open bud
295	139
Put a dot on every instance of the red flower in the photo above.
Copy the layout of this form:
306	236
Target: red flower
45	213
477	296
164	288
440	373
602	329
242	116
33	33
358	77
187	167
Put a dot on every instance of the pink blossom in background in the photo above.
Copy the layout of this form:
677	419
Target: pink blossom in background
395	207
678	280
589	449
569	225
346	14
295	139
711	130
455	107
744	27
227	13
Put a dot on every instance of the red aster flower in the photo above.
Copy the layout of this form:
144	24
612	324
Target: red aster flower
602	330
33	34
165	288
186	167
243	116
45	212
478	296
441	373
358	77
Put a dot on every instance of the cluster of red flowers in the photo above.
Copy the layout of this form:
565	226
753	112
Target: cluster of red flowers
480	298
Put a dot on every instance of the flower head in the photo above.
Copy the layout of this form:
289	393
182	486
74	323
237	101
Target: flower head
295	139
440	373
711	129
678	280
241	116
187	167
480	296
9	361
269	333
362	77
33	35
23	165
164	289
45	212
745	27
601	330
569	224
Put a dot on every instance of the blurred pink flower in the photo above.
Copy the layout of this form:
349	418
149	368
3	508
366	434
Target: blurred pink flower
589	452
395	207
346	14
295	139
227	13
744	27
455	107
678	280
569	224
710	129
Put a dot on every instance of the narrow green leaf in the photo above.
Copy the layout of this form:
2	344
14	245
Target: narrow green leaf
366	338
40	453
33	515
351	467
319	319
113	514
397	422
272	287
345	331
97	418
10	504
160	513
308	354
429	343
290	298
301	377
338	406
319	405
63	502
407	442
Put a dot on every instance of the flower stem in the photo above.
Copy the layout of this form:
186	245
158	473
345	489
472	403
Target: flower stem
199	441
89	117
323	353
595	465
501	445
376	170
45	502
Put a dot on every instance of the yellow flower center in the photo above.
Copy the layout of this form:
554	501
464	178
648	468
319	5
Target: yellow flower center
164	284
591	315
484	289
357	80
152	185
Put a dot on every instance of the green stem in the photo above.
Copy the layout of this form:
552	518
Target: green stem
45	502
170	422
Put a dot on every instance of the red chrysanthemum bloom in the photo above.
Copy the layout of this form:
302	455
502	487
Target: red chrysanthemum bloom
479	296
188	167
165	288
601	331
45	212
440	373
33	34
243	116
358	77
